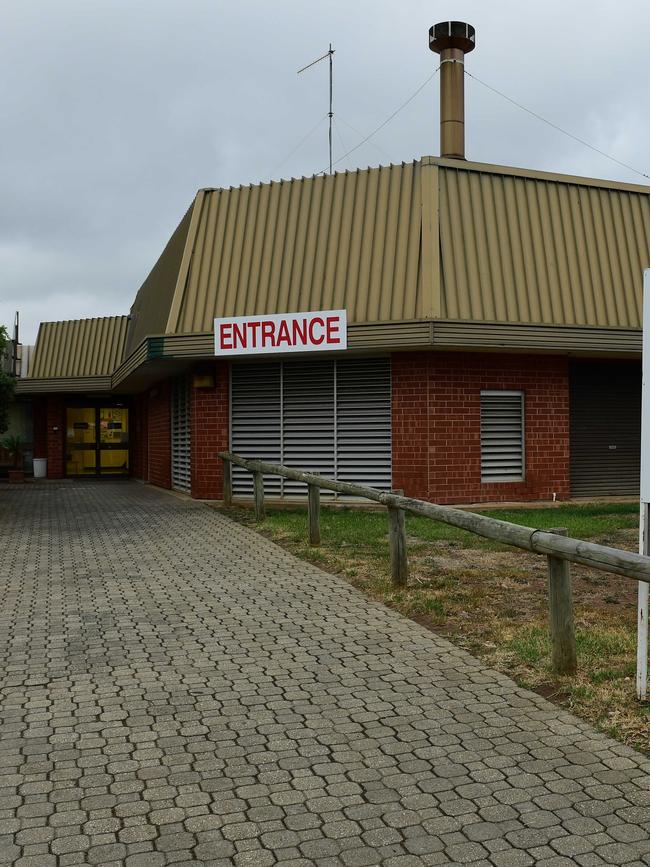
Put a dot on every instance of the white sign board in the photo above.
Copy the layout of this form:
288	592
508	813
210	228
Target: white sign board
281	332
644	547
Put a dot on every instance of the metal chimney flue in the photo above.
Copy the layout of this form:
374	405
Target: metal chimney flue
452	40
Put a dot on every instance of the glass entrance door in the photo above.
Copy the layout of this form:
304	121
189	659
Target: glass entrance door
97	441
113	441
81	441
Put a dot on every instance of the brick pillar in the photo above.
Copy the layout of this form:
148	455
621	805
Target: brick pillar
410	423
159	435
209	430
55	437
140	437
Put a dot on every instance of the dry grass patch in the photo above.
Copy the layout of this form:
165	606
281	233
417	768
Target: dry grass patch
492	600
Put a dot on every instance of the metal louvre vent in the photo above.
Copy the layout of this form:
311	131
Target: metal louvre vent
363	422
308	420
331	417
502	436
256	426
181	473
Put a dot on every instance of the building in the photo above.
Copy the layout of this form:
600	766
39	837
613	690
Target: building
493	339
14	362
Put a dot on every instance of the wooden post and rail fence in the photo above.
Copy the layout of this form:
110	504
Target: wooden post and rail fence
556	545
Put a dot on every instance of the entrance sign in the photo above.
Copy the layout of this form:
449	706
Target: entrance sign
644	523
281	332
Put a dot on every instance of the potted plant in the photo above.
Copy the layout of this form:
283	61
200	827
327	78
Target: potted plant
14	445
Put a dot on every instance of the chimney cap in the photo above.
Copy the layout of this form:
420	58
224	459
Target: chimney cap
452	34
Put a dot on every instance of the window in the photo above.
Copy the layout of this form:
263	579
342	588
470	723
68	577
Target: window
181	475
502	436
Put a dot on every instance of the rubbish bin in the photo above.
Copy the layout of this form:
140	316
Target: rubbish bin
40	468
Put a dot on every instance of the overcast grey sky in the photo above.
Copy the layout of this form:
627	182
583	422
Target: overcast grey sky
114	112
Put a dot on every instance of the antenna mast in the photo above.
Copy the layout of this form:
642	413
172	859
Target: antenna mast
330	55
14	348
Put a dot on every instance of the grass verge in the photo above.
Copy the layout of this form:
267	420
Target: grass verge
491	599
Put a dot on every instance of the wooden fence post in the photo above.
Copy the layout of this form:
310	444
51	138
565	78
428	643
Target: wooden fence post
227	484
314	514
258	485
564	659
397	541
551	545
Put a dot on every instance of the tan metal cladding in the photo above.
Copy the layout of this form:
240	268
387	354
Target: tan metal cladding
79	347
436	240
348	240
529	249
433	239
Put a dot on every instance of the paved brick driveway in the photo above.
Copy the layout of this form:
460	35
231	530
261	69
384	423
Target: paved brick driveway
177	690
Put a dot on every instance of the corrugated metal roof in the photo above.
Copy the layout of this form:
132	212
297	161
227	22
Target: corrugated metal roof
348	240
433	239
150	310
436	239
534	248
79	347
64	385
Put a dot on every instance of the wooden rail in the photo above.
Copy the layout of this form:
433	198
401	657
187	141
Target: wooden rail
559	548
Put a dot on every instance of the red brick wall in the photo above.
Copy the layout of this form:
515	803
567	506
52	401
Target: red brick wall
55	436
159	439
139	434
410	423
436	425
209	430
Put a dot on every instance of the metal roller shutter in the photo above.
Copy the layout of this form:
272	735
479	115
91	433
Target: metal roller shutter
332	417
605	428
181	447
502	436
